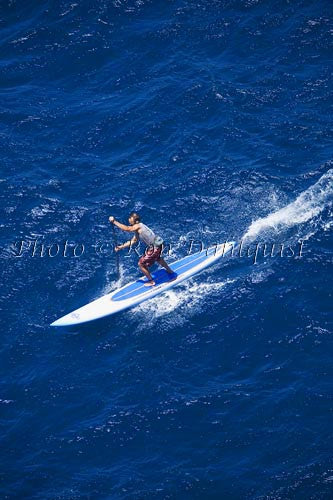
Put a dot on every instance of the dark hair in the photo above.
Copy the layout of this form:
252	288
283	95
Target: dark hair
135	216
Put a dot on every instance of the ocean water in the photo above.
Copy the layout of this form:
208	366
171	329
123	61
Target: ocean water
213	119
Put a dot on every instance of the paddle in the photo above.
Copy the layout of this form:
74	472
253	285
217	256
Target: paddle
115	243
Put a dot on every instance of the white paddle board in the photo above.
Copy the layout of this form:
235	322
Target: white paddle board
136	292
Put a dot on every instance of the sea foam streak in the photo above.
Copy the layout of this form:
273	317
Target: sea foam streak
306	206
189	296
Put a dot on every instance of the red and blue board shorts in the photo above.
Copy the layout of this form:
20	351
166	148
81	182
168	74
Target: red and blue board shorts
151	255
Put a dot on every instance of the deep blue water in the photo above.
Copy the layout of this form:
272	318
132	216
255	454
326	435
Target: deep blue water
213	119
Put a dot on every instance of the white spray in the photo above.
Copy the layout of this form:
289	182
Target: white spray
307	205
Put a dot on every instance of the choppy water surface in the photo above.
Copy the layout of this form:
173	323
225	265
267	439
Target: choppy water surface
213	119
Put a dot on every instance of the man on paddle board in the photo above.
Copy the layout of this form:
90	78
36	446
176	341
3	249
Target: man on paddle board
153	245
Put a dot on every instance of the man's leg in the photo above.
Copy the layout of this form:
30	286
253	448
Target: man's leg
162	263
145	271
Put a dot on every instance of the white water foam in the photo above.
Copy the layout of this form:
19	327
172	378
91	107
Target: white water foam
307	205
112	284
185	298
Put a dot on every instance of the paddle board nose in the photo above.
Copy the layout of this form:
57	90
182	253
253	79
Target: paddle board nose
61	322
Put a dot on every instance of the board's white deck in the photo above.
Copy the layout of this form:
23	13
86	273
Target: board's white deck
105	306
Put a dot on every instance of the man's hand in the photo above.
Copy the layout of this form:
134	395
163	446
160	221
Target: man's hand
111	218
119	247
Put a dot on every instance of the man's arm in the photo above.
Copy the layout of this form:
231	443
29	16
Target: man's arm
127	244
129	229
